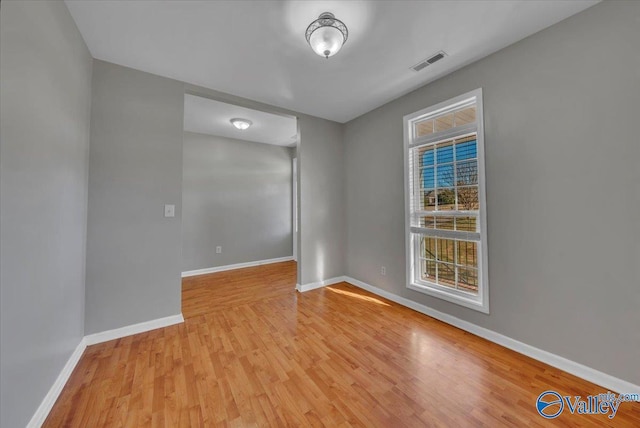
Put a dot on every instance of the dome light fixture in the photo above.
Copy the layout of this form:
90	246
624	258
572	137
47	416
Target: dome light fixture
241	124
326	35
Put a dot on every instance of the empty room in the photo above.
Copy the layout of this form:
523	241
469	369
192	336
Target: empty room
319	213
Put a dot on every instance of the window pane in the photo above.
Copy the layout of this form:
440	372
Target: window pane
467	224
426	157
428	222
445	174
446	223
428	270
467	149
467	173
444	122
424	128
467	253
428	200
464	116
446	199
446	275
428	247
446	250
428	178
468	280
444	152
468	198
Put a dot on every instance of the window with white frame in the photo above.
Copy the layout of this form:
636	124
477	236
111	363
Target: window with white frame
445	202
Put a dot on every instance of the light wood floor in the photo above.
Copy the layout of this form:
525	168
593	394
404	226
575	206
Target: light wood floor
254	352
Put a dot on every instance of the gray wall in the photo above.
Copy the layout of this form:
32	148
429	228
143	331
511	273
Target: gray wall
321	237
44	133
561	111
135	167
235	194
322	215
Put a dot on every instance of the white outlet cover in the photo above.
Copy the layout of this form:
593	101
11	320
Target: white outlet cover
169	210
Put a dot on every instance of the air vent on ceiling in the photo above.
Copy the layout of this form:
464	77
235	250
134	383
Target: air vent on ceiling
427	62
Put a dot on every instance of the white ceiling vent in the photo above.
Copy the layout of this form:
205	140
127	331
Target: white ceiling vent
433	58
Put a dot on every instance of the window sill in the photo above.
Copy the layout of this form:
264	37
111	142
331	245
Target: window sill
479	303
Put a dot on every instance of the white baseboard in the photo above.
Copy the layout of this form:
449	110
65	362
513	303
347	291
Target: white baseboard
50	399
592	375
235	266
129	330
313	285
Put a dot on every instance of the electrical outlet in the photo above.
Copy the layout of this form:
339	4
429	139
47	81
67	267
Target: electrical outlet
169	210
383	270
218	250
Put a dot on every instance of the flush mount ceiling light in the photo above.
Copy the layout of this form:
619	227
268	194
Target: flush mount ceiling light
326	35
241	124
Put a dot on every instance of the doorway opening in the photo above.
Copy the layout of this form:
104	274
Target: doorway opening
239	195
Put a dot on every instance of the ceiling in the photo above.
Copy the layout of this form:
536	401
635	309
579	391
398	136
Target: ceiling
257	49
206	116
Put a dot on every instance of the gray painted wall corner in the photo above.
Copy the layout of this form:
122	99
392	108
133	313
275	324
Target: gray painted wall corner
45	100
322	225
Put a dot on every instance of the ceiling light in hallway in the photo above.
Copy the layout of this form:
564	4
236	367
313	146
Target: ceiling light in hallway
241	124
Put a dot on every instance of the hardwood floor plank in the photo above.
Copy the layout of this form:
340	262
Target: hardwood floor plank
254	352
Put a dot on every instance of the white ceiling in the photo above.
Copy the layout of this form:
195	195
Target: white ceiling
257	49
207	116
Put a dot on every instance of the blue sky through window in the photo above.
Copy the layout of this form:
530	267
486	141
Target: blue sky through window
466	150
444	155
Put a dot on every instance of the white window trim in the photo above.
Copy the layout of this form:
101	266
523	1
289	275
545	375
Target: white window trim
481	301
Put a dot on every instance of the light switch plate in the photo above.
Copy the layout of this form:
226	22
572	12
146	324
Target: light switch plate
169	210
